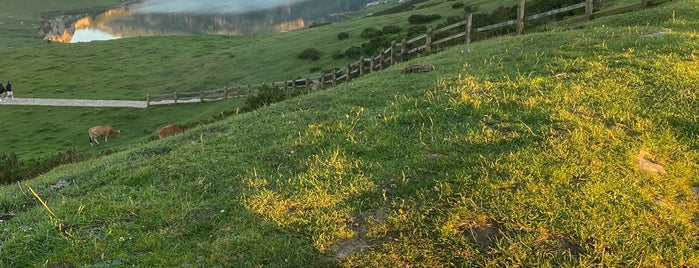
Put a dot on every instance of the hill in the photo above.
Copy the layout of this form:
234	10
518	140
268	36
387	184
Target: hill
516	151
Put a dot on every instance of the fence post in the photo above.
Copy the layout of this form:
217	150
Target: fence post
175	97
225	93
201	96
308	84
403	49
334	77
371	64
322	80
249	90
588	9
469	25
520	18
361	66
428	39
393	54
381	59
147	100
349	73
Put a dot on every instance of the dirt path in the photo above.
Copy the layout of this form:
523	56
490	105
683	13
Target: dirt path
75	102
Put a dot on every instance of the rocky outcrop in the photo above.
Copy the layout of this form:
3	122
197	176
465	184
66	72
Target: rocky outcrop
60	29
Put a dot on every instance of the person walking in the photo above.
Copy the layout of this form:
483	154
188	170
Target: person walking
8	89
2	92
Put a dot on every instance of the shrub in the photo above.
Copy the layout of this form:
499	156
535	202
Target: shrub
310	53
353	52
269	94
417	30
368	49
343	36
338	54
14	169
369	33
420	19
318	24
391	29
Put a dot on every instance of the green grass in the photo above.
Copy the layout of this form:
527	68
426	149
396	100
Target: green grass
520	153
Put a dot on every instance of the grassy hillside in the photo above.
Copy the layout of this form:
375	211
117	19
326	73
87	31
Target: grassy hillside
522	152
134	67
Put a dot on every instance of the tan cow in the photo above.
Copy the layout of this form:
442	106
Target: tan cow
169	130
102	131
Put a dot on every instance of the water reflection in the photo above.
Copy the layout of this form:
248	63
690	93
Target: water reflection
192	17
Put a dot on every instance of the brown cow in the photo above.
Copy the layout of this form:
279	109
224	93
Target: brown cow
169	130
102	131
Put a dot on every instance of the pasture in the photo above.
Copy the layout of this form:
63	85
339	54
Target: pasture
515	151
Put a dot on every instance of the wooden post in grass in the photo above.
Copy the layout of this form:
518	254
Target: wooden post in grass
348	73
381	59
175	97
225	93
308	84
469	25
334	77
322	80
249	90
147	100
393	49
201	96
371	64
428	39
588	9
361	66
403	49
520	18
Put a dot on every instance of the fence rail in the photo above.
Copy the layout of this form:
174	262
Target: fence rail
397	52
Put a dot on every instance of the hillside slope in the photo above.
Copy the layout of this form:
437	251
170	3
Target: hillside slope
519	151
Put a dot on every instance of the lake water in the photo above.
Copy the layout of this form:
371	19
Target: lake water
219	17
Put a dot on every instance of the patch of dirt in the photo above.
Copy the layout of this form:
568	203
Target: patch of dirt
358	243
483	231
562	243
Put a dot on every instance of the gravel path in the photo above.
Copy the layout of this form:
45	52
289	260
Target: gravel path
79	103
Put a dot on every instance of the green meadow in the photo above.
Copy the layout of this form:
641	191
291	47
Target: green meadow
514	151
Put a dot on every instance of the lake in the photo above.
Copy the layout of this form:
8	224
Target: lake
212	17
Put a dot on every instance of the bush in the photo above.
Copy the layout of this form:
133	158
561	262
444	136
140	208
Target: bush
353	52
391	29
368	49
343	36
14	169
269	94
318	24
310	53
417	30
420	19
338	54
369	33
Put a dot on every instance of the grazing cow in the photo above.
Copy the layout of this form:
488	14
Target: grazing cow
169	130
101	131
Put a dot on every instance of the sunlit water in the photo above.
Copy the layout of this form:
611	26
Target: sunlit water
219	17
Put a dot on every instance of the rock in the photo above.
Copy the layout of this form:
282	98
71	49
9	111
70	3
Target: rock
418	68
648	165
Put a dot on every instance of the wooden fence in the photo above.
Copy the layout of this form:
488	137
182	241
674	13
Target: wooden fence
397	52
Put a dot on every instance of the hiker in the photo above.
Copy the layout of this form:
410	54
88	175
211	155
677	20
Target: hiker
2	92
8	89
